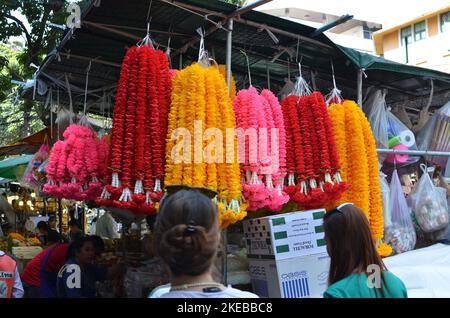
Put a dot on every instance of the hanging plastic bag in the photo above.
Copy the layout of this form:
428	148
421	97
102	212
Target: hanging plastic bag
435	136
430	204
388	130
400	137
401	234
32	177
386	197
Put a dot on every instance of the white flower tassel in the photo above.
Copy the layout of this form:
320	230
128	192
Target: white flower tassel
138	187
303	188
157	187
269	182
126	195
105	194
148	199
291	179
115	180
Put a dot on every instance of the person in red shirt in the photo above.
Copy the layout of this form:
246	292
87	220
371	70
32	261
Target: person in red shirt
39	275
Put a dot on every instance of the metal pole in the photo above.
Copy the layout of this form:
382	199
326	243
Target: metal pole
224	257
228	57
60	216
359	87
249	7
224	233
414	152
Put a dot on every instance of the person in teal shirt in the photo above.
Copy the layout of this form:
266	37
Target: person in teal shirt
356	268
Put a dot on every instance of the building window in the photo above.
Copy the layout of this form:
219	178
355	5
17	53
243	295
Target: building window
445	22
367	33
420	31
406	35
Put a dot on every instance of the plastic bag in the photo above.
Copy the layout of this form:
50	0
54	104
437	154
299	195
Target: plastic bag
430	204
400	138
377	114
386	198
32	177
435	136
388	130
401	234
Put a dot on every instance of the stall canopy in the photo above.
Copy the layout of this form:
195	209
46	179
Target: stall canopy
13	168
273	46
28	145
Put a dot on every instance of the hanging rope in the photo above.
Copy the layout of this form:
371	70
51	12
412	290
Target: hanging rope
289	69
86	88
301	86
248	68
70	97
268	76
334	97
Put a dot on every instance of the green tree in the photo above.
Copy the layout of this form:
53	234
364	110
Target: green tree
28	19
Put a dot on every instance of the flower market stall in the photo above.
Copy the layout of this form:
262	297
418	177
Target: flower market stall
314	149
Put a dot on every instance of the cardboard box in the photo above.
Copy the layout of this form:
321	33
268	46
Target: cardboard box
287	255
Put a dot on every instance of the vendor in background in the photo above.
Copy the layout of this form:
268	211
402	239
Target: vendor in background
187	236
355	261
75	231
47	235
39	275
10	283
80	261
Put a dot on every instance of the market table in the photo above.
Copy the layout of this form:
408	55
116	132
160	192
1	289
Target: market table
425	271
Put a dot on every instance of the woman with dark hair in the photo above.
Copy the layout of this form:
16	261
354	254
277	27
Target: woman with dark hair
356	268
187	237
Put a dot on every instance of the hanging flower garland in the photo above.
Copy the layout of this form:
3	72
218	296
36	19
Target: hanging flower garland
199	102
223	72
139	131
316	178
276	137
76	169
356	148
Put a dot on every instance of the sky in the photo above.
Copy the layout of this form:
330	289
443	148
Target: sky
386	12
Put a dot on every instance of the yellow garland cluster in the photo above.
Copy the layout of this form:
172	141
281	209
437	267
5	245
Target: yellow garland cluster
359	163
200	94
376	204
384	250
223	71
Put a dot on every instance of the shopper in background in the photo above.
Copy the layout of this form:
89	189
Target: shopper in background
356	269
106	226
187	237
39	275
80	261
75	231
10	283
47	235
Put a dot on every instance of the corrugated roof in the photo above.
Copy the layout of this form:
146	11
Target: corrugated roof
107	31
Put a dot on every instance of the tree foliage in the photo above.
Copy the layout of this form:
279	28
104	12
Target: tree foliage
28	20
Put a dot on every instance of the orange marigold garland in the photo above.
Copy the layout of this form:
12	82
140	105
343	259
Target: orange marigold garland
357	151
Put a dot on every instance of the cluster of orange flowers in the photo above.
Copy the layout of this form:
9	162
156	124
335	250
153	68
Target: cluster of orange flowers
200	97
359	165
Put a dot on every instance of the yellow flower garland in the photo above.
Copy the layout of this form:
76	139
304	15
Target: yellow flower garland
384	250
359	163
376	205
223	72
201	94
